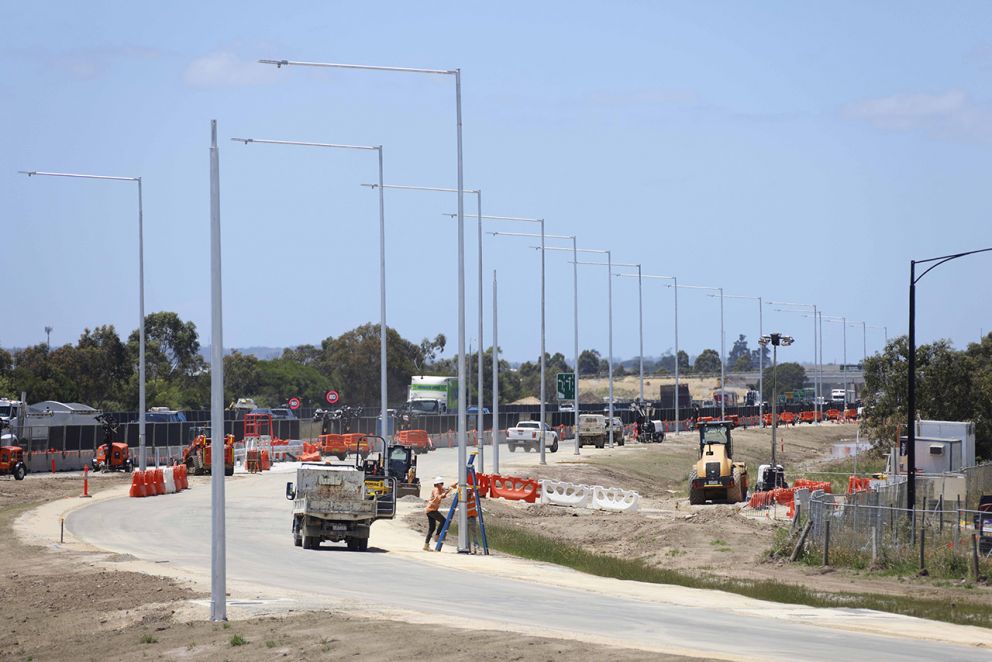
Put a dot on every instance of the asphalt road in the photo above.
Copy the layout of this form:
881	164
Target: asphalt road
175	530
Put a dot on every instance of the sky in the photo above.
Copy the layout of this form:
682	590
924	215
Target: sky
801	152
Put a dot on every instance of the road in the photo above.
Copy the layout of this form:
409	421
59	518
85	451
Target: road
395	577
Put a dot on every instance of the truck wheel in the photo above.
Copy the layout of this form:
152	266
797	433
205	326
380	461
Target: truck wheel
297	535
512	447
695	496
363	545
528	448
19	472
310	542
554	446
341	456
229	471
352	544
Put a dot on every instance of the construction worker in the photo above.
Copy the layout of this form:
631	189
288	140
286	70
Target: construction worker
434	518
472	513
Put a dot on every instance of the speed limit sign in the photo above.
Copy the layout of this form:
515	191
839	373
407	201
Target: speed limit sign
331	397
294	403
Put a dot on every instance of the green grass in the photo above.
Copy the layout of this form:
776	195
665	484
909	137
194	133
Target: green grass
526	544
147	639
270	644
238	640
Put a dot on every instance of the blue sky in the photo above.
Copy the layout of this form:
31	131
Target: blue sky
795	151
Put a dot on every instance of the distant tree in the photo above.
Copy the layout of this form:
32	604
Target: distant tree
707	363
740	355
791	376
761	356
589	360
530	375
684	367
302	354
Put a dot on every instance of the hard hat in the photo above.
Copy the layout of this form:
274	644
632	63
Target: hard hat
439	480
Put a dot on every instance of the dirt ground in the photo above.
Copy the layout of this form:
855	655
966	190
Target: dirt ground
712	539
629	386
62	607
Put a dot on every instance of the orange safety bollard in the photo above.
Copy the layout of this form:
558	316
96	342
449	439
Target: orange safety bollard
149	481
137	484
86	482
53	465
179	475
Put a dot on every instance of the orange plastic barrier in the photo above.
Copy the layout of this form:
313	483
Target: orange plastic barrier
833	414
137	484
812	485
266	464
149	479
858	484
512	488
850	414
485	484
159	481
179	473
310	457
416	439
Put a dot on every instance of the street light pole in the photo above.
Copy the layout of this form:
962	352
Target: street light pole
142	408
609	362
462	386
383	368
723	360
218	544
817	352
480	420
575	314
495	379
775	339
911	413
675	290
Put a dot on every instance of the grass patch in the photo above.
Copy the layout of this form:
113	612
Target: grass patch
238	640
270	644
526	544
147	639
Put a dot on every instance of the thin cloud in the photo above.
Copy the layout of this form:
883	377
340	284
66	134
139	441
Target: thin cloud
225	69
950	114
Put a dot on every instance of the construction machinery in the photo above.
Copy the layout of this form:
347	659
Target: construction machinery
12	462
111	455
402	462
197	456
715	476
333	502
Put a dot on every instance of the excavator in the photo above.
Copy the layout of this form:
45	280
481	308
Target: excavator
715	476
197	455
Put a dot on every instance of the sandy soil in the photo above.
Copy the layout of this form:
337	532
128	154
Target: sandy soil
713	539
60	606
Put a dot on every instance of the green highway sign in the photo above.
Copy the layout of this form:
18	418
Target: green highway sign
566	385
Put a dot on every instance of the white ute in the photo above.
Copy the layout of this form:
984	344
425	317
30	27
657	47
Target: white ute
527	435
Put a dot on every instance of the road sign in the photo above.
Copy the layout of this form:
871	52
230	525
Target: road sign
294	403
331	397
566	386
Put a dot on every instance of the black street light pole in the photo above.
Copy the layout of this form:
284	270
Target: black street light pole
911	405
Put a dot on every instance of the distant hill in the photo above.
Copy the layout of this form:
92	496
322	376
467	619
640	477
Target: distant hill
264	353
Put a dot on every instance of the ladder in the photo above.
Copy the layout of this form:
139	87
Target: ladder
473	494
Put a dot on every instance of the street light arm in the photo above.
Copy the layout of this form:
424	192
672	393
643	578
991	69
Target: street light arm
32	173
531	235
423	188
364	67
305	144
941	260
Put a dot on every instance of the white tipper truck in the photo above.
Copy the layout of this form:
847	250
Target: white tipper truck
337	502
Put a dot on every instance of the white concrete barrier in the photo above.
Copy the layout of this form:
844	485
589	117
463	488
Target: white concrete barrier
565	494
615	499
170	480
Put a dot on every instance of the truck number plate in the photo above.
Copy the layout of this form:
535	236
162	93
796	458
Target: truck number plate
713	482
339	527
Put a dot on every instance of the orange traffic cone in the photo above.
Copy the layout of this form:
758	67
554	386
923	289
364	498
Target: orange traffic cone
137	484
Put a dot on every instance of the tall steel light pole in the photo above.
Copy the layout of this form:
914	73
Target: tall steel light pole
883	329
383	383
480	420
495	378
775	339
141	295
218	540
462	386
609	279
539	221
817	352
723	352
934	262
575	315
675	290
761	353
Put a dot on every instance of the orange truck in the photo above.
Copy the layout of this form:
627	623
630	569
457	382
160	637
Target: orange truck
12	462
197	456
